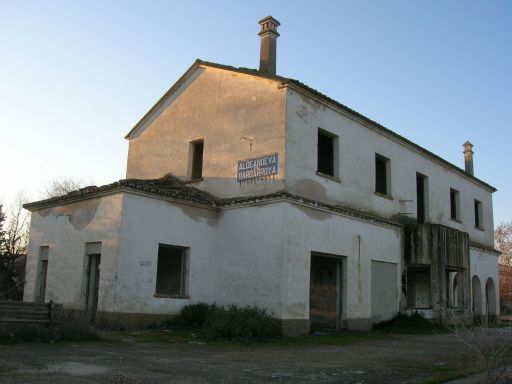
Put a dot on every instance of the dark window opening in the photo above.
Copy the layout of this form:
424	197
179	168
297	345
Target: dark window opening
381	175
454	204
326	153
421	200
170	277
197	159
478	214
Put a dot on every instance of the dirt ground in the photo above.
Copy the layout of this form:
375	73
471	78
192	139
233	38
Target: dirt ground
404	359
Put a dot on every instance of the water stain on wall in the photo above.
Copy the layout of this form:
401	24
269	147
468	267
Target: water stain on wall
79	214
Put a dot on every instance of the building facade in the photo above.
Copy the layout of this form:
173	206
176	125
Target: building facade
244	187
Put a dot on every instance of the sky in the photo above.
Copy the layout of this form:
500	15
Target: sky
76	76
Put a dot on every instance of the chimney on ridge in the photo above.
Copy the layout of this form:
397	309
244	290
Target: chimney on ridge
269	37
468	157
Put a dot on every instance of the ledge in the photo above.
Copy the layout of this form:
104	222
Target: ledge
333	178
383	195
456	220
167	296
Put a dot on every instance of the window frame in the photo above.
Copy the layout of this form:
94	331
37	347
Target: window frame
477	204
387	176
195	171
334	141
183	274
455	205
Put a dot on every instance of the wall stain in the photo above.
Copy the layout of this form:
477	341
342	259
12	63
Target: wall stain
315	214
311	189
198	214
78	214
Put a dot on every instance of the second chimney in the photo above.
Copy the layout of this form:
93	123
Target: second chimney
468	157
269	37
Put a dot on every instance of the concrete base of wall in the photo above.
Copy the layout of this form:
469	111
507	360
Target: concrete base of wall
117	320
295	327
360	324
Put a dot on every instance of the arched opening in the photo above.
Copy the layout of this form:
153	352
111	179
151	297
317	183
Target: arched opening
476	302
490	296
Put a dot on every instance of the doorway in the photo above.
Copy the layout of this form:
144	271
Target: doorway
92	285
325	292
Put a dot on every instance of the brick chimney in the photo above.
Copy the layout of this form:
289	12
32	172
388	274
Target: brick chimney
269	37
468	157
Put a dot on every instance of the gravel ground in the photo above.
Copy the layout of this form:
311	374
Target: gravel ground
406	359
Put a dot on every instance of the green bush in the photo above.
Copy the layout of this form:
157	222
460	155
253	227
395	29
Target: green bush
196	315
233	322
402	323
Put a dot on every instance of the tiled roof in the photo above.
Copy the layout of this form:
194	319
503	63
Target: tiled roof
168	186
172	187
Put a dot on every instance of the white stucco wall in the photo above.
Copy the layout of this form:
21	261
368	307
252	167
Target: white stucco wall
309	230
220	107
485	265
65	230
358	145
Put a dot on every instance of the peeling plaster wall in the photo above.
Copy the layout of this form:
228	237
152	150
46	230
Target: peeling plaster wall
234	255
148	222
484	265
357	147
308	230
66	229
220	107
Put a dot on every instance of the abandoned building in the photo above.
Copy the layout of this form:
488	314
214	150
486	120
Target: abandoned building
245	187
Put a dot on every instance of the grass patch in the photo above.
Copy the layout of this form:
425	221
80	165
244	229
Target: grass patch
409	324
183	335
68	330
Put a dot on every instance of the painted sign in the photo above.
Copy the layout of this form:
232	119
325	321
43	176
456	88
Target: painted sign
258	168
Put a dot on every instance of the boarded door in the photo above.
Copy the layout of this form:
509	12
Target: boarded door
43	273
384	287
324	293
93	280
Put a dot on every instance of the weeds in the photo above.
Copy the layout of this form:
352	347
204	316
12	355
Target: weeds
228	323
415	323
67	330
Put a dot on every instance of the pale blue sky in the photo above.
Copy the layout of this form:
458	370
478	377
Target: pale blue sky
75	76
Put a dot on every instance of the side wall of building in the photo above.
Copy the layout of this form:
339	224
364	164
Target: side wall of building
358	244
484	282
357	147
66	230
238	116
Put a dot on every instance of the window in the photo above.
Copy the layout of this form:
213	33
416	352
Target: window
196	159
382	172
454	204
327	153
171	270
478	214
421	197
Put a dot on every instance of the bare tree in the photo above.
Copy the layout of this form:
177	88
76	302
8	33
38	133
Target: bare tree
62	186
13	249
503	242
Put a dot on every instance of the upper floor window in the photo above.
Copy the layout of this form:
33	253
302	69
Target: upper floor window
478	214
382	175
454	204
327	153
196	159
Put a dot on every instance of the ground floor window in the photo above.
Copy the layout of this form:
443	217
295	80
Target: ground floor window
171	270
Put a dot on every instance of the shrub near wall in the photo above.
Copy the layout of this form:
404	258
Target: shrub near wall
232	323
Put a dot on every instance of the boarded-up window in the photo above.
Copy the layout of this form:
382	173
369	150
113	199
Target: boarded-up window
170	278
